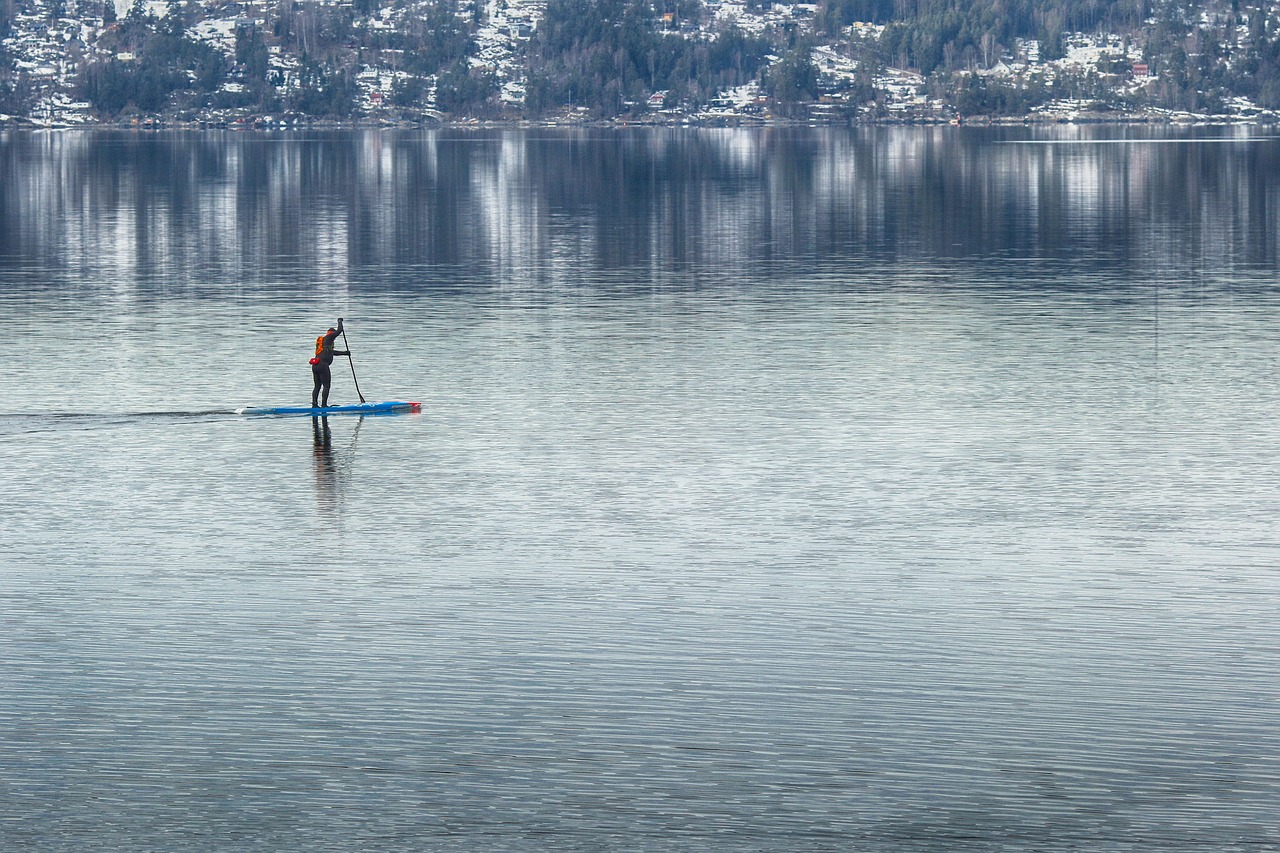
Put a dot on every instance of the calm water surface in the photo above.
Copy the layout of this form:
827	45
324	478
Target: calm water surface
899	489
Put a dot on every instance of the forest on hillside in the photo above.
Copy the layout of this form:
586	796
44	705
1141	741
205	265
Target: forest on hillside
611	56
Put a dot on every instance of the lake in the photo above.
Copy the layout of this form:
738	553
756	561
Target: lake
881	489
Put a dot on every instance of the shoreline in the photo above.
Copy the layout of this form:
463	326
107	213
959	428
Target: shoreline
261	123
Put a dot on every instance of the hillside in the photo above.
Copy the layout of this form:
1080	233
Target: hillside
65	62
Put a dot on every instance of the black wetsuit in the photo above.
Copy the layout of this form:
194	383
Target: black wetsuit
320	370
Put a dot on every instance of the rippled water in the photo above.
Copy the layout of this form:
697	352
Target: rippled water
873	547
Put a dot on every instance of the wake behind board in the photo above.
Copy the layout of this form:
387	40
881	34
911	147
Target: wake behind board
383	408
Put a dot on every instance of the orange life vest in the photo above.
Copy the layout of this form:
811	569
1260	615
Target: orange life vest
319	349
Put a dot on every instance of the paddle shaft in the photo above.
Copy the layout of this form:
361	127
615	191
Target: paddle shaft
352	362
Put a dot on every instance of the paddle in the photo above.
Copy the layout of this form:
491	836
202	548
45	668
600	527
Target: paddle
352	362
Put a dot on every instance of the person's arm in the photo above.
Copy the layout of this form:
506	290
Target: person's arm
342	352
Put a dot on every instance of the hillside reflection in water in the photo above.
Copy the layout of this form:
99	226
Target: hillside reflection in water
411	210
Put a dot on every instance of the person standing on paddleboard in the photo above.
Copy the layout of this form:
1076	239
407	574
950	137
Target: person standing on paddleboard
320	365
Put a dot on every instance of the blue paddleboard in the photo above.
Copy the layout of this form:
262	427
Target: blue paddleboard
354	409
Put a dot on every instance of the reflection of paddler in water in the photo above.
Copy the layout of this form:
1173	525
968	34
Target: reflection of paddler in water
320	372
328	464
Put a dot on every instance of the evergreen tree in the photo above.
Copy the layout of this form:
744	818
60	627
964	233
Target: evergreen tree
167	62
793	81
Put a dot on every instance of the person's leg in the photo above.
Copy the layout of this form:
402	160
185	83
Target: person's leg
328	380
317	377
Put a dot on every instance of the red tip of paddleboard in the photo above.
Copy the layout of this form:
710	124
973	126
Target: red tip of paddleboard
415	407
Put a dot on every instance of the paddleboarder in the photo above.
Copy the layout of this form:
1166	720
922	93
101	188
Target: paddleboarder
320	365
